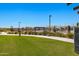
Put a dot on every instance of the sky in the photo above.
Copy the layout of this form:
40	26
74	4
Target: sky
37	14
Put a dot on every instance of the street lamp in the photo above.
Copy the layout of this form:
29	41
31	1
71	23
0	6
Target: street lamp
50	23
19	29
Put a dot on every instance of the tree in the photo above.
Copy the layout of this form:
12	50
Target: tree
77	24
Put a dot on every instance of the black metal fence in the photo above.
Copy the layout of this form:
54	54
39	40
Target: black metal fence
76	39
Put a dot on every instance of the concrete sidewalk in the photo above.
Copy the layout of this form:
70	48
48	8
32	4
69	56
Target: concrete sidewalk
50	37
53	37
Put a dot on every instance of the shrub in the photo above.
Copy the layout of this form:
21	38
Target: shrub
34	33
45	33
40	33
25	32
29	33
57	34
69	35
60	34
51	34
16	33
11	33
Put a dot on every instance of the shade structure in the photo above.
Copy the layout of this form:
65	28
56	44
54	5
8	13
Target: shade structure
69	4
75	8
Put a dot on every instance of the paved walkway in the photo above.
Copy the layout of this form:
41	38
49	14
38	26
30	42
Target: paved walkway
55	38
50	37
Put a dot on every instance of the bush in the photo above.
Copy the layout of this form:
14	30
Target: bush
51	34
11	33
69	35
60	34
57	34
34	33
40	33
45	33
29	33
25	32
16	32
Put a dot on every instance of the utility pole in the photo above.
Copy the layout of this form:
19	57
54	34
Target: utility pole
50	23
19	29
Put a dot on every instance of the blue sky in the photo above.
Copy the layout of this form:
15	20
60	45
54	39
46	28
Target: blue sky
37	14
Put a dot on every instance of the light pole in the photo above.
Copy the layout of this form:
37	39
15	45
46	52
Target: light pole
19	29
50	23
11	29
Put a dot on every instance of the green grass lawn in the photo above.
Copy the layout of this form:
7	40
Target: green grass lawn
34	46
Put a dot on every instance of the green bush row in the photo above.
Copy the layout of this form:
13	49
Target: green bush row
69	35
